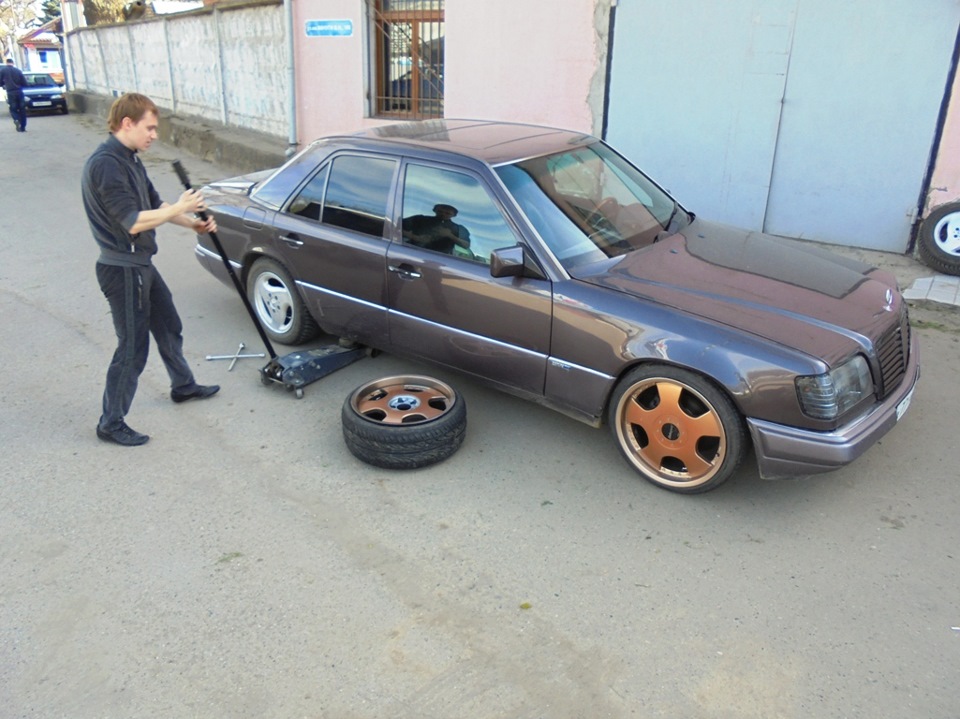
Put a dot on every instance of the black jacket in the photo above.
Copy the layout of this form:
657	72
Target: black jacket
11	79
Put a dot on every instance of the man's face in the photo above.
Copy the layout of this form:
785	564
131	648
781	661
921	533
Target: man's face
140	135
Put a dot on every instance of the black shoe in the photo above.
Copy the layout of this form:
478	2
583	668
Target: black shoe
196	391
122	435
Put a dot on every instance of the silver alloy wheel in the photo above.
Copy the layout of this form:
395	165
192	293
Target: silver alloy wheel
938	241
946	233
274	302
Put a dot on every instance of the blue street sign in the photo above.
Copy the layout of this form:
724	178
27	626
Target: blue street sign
329	28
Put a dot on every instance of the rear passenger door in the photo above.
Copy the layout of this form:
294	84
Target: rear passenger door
444	304
332	236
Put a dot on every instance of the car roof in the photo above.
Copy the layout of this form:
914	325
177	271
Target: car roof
489	141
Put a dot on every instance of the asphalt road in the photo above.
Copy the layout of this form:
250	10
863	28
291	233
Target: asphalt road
244	564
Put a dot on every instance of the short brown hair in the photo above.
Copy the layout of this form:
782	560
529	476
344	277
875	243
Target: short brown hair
132	105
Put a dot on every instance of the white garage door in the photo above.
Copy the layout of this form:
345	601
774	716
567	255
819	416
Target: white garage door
806	118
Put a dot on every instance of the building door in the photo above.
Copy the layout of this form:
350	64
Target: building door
805	118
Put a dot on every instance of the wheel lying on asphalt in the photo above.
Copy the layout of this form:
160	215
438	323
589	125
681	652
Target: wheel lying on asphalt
939	239
675	428
404	422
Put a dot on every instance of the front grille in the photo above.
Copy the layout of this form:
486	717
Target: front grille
893	350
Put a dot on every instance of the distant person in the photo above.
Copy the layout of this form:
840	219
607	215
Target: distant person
438	232
124	210
13	81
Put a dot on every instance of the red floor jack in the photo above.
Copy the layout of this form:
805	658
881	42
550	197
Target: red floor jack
297	369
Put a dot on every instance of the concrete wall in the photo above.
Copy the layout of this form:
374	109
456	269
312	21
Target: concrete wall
226	65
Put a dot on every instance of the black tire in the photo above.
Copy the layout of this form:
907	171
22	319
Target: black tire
404	422
65	110
677	429
278	304
939	240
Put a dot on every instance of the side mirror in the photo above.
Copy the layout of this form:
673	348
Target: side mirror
514	262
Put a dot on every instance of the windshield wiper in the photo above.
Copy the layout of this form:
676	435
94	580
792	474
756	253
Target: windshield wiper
676	209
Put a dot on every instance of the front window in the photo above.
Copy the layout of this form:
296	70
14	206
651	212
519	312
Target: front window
451	212
589	203
409	58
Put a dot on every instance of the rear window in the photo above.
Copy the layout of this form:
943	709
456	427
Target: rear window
358	190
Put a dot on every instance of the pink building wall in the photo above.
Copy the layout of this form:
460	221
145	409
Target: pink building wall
538	61
945	181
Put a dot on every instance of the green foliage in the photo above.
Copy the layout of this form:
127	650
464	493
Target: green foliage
50	10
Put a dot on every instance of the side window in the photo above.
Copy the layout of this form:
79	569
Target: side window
309	201
452	212
357	193
275	191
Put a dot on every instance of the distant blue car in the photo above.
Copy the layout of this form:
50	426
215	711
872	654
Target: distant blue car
43	93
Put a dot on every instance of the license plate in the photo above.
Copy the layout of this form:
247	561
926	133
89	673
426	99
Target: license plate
42	104
904	404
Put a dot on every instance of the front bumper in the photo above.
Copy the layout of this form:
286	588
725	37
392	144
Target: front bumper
46	105
789	452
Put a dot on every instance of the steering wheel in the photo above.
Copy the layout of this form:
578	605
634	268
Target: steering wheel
601	218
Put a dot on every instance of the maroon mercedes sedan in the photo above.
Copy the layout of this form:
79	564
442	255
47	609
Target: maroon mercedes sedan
544	263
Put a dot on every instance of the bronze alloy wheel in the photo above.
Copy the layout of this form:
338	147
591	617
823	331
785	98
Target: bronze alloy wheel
676	429
404	422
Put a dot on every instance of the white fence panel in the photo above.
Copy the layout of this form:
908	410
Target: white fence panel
224	65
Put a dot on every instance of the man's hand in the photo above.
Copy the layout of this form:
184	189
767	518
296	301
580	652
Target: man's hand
202	227
190	201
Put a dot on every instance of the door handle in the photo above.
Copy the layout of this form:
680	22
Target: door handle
406	271
292	240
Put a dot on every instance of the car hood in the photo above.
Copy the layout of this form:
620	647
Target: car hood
783	290
42	90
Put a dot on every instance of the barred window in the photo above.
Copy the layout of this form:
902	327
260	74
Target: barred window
409	58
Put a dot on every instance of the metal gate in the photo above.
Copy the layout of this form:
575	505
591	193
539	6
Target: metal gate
805	118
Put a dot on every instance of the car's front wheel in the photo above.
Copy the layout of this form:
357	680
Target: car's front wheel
278	305
939	240
677	429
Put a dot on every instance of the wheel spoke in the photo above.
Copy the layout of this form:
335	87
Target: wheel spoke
706	425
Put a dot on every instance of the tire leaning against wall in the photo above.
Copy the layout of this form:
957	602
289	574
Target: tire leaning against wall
939	239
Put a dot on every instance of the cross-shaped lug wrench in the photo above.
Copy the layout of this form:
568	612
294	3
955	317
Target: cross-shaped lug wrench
234	357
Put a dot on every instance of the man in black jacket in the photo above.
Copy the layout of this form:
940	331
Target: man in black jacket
13	81
124	210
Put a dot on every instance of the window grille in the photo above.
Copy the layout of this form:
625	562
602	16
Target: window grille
409	58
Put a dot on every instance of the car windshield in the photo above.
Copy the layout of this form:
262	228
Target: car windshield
589	203
40	81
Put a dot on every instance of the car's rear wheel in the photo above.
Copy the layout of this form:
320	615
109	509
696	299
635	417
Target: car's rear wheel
939	240
404	422
278	305
677	429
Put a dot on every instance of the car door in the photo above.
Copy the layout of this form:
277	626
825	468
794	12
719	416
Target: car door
444	305
332	237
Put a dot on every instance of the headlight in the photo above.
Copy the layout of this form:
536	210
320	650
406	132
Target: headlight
56	97
827	396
